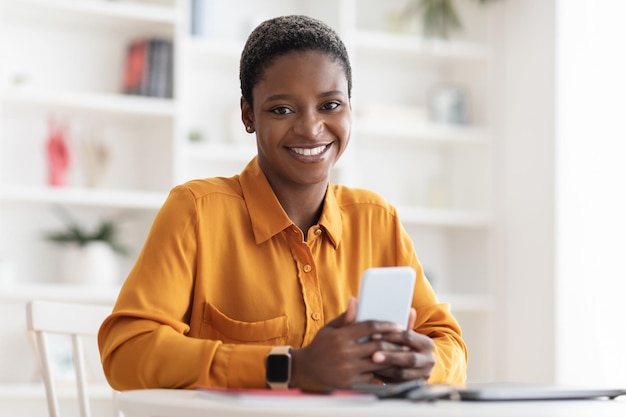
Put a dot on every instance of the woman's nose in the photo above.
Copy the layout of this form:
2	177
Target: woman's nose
308	125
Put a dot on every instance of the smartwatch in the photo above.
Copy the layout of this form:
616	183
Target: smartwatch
278	367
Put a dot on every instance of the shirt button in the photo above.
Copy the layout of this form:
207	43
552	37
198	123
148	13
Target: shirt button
307	268
318	232
316	316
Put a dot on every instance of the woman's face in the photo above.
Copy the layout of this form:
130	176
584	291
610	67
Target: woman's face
302	117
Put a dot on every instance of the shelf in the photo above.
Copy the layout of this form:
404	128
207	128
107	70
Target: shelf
464	303
220	151
58	292
407	45
422	132
100	102
34	391
143	12
443	217
142	200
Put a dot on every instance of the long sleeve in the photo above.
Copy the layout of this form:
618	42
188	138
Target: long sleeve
161	332
433	318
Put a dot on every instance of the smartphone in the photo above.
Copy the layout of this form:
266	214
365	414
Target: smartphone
386	293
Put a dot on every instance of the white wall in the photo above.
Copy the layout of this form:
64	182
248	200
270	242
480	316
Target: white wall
525	155
591	192
562	212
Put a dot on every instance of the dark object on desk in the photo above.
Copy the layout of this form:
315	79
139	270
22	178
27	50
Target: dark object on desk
413	390
396	390
507	391
432	392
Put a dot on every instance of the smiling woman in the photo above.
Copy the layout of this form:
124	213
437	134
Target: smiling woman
250	281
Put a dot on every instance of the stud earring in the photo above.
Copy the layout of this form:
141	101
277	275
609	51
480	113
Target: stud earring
249	129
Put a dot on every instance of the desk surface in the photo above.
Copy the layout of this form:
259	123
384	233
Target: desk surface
184	403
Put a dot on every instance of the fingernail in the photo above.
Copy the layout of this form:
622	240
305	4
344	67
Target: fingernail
376	336
378	357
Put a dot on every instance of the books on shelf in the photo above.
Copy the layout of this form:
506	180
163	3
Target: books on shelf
148	68
198	21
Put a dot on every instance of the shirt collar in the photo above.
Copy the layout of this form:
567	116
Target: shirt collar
330	219
267	215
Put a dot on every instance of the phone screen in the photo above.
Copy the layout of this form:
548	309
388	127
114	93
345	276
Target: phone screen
385	294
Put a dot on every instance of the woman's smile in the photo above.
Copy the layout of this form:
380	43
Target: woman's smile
310	154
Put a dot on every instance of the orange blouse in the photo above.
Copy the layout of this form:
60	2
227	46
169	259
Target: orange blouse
224	275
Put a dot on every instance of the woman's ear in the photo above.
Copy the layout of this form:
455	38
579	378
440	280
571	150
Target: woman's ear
247	115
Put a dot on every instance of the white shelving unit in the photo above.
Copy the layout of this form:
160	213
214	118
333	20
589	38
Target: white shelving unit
439	176
69	64
64	59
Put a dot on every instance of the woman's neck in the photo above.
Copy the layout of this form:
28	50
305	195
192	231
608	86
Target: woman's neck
303	204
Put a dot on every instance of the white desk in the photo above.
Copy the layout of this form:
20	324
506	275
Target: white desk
182	403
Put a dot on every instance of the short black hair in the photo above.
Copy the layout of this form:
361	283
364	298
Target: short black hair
281	35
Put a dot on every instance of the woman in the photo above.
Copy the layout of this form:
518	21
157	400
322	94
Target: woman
250	281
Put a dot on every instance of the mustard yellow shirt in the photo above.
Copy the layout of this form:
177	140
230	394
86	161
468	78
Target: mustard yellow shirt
224	275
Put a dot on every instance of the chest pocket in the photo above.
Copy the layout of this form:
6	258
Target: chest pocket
217	326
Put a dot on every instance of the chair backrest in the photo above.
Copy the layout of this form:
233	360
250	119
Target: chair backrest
76	321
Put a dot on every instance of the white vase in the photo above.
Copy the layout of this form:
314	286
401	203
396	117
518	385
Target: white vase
92	264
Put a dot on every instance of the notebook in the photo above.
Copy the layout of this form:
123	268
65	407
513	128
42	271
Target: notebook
285	397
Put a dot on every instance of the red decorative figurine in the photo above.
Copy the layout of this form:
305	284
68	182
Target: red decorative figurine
58	154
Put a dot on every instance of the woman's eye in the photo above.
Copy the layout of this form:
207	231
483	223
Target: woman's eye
330	106
281	110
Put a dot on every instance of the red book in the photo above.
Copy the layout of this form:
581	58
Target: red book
135	67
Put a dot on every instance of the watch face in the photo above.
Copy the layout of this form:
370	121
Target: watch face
277	368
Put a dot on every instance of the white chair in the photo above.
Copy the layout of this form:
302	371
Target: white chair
76	321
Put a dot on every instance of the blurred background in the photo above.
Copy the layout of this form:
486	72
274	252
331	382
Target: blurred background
495	127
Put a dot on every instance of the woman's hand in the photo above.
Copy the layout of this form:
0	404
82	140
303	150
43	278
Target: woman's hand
415	360
336	358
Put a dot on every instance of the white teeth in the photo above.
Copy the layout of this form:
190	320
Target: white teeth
309	151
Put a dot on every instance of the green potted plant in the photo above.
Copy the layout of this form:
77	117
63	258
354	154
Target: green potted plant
88	256
439	18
